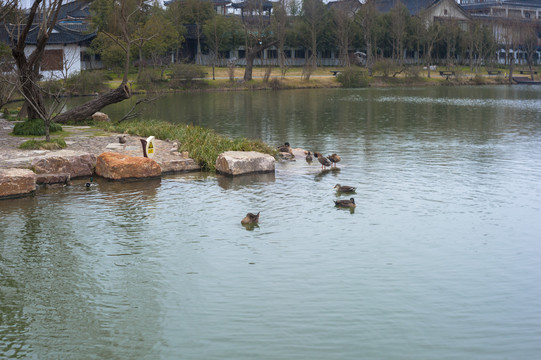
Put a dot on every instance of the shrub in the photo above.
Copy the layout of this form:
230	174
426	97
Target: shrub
478	79
353	78
54	144
384	66
34	127
52	88
86	82
413	72
186	76
148	79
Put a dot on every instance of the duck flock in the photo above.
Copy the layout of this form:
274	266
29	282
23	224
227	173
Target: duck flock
326	162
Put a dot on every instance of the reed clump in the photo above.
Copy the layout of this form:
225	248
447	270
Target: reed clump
203	144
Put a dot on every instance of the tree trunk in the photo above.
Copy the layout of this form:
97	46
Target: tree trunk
251	53
85	111
250	56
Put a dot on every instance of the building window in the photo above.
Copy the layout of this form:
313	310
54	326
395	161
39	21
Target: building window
242	54
272	54
287	54
444	11
299	54
52	60
326	54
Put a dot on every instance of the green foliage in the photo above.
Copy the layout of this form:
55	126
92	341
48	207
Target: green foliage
34	127
86	82
353	78
204	145
149	79
54	144
52	88
112	55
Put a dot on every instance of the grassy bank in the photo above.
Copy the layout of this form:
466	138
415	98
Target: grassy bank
204	145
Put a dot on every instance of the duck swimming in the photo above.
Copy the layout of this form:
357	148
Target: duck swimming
344	188
250	219
309	157
345	203
322	160
334	158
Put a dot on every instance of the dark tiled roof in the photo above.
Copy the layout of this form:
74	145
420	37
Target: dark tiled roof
414	6
345	5
216	2
267	5
62	34
489	4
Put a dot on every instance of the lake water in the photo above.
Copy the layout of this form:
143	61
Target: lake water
441	259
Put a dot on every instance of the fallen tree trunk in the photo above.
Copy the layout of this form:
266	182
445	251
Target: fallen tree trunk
85	111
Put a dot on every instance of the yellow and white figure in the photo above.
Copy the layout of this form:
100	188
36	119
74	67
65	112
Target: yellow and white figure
150	146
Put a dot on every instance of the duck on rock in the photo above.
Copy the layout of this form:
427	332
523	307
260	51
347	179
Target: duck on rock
322	160
334	158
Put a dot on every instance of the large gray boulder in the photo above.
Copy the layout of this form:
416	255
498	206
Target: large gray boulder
16	182
244	162
81	165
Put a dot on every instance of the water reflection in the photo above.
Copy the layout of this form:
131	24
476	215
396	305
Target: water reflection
238	182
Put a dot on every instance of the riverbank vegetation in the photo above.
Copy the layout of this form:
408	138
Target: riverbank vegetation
203	144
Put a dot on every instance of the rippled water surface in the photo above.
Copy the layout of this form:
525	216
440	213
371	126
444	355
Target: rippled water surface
440	259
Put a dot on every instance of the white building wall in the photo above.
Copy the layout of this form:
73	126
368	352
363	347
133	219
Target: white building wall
71	61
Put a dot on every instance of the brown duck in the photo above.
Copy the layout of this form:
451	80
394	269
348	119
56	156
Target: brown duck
322	160
345	203
345	188
284	148
250	219
334	158
309	157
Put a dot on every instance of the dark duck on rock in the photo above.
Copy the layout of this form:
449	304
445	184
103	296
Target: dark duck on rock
284	148
334	158
322	160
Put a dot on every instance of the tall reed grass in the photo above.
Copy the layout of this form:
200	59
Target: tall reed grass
203	144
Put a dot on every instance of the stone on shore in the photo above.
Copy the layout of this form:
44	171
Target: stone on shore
179	165
117	166
48	179
244	162
16	182
76	165
100	117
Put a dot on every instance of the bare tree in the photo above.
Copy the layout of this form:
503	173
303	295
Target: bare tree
366	18
280	27
343	25
529	33
399	19
432	34
28	66
258	34
314	13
